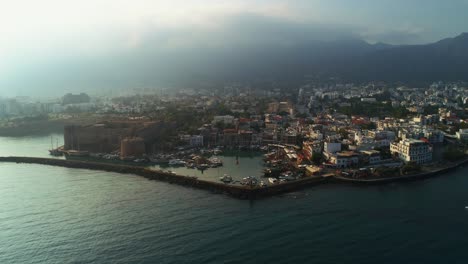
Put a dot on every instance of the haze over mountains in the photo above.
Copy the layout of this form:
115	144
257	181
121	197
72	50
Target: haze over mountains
349	58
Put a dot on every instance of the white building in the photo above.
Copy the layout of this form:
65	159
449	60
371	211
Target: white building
196	141
331	147
344	159
412	150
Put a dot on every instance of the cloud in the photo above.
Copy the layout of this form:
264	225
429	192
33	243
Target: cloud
93	43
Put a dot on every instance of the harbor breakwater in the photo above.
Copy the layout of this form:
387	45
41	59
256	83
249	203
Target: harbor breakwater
237	191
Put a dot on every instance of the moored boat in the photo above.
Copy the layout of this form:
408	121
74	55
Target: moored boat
273	180
226	178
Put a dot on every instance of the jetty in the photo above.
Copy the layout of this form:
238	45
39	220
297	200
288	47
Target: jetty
237	191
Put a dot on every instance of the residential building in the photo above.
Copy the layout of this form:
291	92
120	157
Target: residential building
412	150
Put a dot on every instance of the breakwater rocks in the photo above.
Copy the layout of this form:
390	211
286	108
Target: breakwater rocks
241	192
237	191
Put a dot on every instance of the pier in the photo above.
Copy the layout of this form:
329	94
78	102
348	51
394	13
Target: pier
240	192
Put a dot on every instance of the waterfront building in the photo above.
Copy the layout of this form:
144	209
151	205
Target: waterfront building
371	157
412	150
344	159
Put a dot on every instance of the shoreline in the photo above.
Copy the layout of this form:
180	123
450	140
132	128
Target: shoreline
236	191
411	177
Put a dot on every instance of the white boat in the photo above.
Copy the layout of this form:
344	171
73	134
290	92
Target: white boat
176	162
77	153
250	180
215	162
273	180
217	151
226	178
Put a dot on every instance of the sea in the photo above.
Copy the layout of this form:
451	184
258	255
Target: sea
61	215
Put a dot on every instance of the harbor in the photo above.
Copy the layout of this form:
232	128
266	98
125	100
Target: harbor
234	190
246	191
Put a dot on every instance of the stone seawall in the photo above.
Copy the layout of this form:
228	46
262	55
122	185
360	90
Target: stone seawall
412	177
237	191
241	192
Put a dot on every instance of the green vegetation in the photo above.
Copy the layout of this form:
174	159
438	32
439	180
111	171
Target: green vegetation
317	158
453	154
375	109
431	110
384	152
386	172
410	168
369	126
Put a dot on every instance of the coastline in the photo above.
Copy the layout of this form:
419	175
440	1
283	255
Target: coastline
236	191
410	177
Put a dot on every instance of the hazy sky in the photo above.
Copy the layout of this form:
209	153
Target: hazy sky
37	38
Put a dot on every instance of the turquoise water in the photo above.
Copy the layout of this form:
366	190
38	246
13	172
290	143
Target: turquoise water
61	215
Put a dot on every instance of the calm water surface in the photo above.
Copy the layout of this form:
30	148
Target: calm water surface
61	215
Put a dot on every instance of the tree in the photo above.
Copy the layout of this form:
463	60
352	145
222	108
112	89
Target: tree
410	168
317	158
454	154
